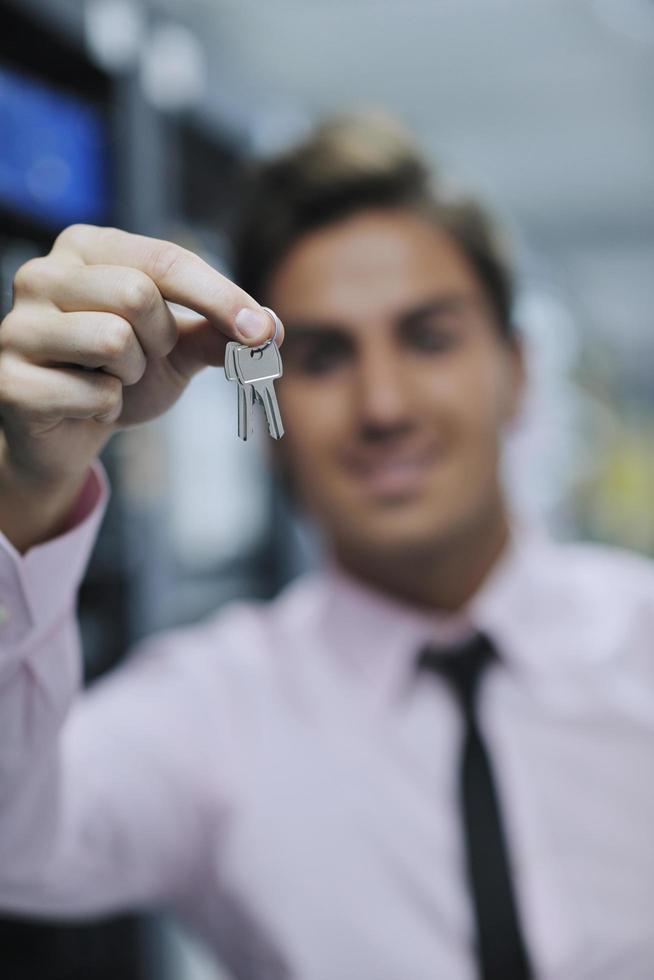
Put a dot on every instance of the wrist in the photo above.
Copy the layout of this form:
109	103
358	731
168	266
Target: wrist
35	508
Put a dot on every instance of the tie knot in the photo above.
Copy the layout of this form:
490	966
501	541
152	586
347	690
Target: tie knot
461	665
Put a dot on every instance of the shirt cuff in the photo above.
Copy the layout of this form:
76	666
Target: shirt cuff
38	587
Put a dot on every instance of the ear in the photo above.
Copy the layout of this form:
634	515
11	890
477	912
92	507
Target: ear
516	377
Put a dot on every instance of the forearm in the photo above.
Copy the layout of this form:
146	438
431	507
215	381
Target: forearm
35	700
88	824
40	673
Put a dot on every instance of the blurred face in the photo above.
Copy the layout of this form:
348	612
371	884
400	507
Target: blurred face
396	388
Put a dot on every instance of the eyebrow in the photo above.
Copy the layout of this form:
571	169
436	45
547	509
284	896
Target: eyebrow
309	329
440	304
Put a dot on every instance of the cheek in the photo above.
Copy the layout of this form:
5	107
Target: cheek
469	399
315	419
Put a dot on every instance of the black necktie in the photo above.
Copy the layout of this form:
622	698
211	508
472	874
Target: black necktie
502	953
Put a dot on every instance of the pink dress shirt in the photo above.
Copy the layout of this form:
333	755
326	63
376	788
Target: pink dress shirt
283	779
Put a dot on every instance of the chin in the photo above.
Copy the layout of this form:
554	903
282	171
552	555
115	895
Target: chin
400	534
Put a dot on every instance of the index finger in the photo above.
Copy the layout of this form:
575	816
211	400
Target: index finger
179	275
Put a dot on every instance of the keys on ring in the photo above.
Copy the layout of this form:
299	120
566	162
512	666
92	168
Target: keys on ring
255	369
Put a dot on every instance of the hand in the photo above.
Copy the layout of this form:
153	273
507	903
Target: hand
91	346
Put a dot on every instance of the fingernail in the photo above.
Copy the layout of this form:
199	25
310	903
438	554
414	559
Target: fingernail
253	324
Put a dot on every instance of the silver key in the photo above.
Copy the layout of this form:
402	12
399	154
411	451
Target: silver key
244	394
257	368
245	410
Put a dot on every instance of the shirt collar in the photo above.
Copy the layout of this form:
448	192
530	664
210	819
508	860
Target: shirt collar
380	636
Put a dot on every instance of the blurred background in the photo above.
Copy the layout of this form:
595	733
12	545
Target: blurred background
143	115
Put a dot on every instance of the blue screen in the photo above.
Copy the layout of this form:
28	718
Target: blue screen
53	163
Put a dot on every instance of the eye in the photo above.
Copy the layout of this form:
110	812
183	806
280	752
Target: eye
431	335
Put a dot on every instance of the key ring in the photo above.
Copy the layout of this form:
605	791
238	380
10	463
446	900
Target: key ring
278	326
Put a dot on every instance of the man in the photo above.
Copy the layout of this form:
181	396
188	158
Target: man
431	759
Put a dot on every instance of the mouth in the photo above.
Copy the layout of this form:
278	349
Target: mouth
393	473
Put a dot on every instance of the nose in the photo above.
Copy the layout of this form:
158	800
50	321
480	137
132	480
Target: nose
383	389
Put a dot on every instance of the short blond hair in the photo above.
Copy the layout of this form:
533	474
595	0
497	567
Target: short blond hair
349	164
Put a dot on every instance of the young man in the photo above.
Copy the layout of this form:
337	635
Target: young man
431	759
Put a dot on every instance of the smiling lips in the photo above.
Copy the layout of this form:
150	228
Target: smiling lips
398	472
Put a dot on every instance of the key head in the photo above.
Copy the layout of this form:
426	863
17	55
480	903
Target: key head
230	361
254	364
